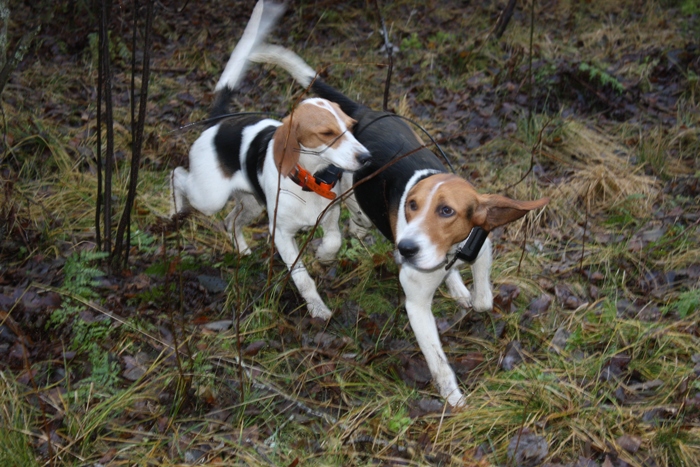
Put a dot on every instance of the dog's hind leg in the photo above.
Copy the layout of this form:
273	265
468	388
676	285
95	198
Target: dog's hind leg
481	273
359	222
178	191
419	287
331	241
289	251
246	210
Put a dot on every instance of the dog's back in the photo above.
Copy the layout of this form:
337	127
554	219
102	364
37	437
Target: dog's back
396	151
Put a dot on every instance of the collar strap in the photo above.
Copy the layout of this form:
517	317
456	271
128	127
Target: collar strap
471	247
321	183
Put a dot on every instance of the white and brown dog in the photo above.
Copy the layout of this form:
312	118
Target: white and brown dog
428	213
283	166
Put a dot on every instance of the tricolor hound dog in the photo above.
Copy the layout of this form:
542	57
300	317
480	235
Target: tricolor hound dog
427	213
260	162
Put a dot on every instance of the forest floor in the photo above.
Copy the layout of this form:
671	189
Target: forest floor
194	355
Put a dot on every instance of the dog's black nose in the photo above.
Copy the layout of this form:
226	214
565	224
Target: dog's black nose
408	248
364	157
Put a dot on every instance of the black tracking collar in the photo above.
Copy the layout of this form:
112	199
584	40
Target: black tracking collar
330	175
471	247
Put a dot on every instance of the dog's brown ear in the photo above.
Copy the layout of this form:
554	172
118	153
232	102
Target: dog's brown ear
495	210
286	146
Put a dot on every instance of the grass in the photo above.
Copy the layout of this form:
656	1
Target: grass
160	367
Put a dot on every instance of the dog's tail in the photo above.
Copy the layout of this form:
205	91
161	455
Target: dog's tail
303	74
263	18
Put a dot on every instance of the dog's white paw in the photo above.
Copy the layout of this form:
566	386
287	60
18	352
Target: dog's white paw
325	257
456	400
240	245
452	395
483	301
464	300
327	251
357	230
319	310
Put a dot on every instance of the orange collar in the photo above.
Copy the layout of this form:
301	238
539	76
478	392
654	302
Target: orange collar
308	182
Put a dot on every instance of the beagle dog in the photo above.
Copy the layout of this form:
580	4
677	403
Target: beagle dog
429	214
290	167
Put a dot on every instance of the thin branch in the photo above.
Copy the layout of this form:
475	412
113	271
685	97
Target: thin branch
137	129
529	67
106	6
389	48
585	225
503	20
538	144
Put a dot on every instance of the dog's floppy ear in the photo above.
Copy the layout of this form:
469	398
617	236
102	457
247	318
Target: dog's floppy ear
286	148
495	210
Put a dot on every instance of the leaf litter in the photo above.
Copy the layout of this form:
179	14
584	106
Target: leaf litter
608	280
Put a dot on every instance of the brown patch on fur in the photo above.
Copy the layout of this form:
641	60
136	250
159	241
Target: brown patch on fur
393	220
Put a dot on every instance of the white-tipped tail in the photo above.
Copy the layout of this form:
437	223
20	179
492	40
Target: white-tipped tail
264	16
285	58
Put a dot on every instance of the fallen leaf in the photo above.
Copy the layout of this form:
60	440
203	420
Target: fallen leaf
540	304
415	372
615	367
513	355
253	348
559	340
324	339
527	448
584	462
108	456
218	326
506	294
467	363
427	406
212	284
629	443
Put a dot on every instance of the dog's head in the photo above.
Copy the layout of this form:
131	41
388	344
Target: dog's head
319	128
440	212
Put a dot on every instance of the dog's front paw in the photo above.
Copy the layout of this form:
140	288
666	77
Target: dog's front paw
327	251
357	230
319	310
457	400
483	301
325	258
453	395
464	300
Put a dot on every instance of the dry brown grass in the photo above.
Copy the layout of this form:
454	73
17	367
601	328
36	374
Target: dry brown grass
305	404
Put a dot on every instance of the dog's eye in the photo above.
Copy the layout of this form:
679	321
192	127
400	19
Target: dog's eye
445	211
328	133
412	205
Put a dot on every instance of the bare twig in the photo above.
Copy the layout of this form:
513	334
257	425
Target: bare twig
137	128
389	48
503	20
529	67
105	85
585	225
538	144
